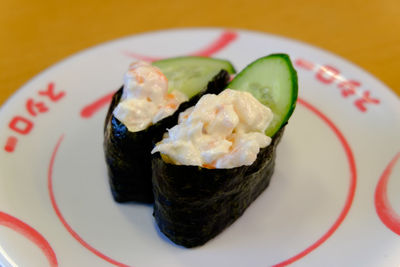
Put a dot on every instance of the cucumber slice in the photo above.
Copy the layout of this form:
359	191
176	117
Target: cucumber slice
190	75
273	81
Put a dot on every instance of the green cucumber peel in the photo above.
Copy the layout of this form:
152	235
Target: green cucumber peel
190	75
272	80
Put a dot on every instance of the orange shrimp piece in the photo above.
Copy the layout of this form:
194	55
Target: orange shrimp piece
139	78
212	165
172	106
170	96
136	65
161	74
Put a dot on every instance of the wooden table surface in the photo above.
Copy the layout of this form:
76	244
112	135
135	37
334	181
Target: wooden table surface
37	34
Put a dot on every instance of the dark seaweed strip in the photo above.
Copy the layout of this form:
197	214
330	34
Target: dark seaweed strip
194	204
127	153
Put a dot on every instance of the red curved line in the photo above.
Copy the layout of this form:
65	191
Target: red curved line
223	40
351	192
89	110
352	187
382	205
141	57
30	233
61	217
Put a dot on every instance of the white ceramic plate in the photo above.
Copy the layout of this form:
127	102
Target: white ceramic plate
333	201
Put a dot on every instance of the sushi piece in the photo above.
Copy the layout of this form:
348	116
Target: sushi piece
148	103
220	156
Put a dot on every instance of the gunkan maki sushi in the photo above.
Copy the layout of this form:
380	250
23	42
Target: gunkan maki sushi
146	105
220	156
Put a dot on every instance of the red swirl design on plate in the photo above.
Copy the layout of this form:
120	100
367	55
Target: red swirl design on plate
30	233
350	193
95	106
61	217
382	205
223	40
89	110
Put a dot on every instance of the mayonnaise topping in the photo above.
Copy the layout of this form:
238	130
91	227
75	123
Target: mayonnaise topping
145	99
221	131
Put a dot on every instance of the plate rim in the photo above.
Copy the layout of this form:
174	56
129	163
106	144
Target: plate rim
27	85
67	58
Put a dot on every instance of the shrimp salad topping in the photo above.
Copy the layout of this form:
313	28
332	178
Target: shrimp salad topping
220	131
145	98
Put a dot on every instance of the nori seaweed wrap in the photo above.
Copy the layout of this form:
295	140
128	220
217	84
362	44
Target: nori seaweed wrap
194	204
127	153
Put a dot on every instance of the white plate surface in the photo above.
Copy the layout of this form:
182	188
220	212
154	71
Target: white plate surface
334	199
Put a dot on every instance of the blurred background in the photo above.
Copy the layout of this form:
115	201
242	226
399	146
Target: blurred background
37	34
